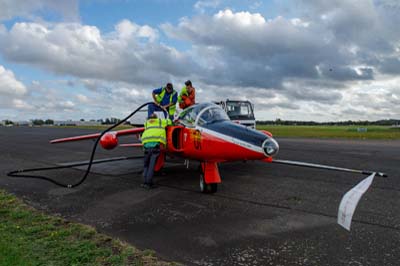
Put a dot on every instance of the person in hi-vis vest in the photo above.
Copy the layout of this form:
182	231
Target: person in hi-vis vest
187	96
154	138
164	97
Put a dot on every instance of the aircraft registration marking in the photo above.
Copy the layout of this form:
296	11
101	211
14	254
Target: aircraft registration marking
197	139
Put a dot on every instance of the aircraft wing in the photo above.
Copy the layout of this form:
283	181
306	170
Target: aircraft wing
96	135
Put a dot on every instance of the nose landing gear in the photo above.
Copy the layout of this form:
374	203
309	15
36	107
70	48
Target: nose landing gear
206	186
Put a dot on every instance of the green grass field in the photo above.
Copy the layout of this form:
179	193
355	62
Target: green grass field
29	237
348	132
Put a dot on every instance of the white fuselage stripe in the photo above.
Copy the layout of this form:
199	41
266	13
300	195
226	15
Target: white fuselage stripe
230	139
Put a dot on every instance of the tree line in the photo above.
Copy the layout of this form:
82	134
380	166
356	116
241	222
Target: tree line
41	122
385	122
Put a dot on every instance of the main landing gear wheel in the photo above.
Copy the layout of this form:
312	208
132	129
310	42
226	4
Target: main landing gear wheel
207	188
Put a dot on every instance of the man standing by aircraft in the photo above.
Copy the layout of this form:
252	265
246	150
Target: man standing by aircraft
164	97
187	96
153	139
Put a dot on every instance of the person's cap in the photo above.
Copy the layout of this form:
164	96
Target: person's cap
188	83
169	86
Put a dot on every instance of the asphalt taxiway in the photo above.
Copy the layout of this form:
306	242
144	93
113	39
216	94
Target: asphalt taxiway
262	214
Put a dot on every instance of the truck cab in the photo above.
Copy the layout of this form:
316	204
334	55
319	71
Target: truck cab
241	112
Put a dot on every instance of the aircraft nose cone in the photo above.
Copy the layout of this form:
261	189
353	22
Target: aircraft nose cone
270	147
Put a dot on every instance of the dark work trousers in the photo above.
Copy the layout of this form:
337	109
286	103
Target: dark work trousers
150	158
151	108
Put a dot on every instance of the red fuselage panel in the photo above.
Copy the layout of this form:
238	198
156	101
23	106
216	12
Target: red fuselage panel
205	146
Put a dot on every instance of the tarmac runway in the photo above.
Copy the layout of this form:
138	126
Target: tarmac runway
262	214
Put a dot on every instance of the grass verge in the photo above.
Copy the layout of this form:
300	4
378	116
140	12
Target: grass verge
30	237
347	132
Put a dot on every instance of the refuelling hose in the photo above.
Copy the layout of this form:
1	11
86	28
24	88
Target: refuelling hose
17	173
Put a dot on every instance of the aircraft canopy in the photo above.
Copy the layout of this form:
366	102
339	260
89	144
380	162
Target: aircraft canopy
202	114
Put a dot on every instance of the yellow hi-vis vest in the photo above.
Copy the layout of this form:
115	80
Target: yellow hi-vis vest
183	92
154	131
159	97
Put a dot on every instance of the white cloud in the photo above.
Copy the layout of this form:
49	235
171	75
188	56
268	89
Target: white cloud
67	104
239	19
311	64
126	30
9	85
21	104
306	60
83	51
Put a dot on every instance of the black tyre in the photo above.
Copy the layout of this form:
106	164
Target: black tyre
207	188
213	187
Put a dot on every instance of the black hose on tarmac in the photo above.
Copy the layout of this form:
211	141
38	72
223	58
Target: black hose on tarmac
18	174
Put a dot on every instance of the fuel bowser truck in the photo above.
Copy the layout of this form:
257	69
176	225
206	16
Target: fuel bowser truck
241	112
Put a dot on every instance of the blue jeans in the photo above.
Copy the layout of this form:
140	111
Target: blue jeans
150	159
155	108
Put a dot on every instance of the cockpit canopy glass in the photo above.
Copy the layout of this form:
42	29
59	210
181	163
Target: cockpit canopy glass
204	113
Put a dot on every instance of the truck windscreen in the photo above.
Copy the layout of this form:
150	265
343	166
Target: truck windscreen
239	110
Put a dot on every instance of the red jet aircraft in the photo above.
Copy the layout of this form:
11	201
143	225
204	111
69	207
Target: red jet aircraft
204	133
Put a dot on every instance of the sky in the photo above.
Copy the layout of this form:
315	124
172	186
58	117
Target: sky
320	60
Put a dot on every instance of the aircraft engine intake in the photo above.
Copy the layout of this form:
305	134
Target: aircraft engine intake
109	141
270	147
